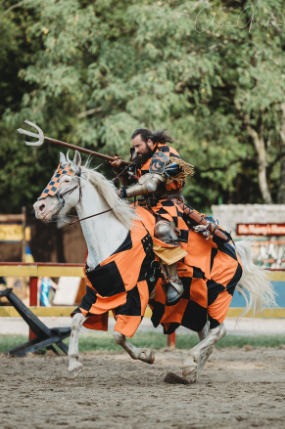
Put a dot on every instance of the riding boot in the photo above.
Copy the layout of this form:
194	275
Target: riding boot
174	288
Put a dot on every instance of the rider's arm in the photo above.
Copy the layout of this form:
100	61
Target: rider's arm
147	184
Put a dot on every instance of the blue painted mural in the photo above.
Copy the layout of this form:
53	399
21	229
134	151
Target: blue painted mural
238	300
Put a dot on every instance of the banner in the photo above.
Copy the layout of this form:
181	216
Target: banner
260	229
14	232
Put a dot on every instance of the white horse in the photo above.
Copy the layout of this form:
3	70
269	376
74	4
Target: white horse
92	193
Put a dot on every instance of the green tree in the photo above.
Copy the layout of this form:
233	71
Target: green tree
90	72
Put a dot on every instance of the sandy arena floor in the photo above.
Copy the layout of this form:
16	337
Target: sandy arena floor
241	388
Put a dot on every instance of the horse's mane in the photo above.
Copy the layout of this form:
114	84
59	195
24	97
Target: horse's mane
122	211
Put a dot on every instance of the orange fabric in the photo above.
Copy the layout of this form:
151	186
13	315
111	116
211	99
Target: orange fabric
197	246
100	323
199	292
175	313
127	325
144	296
218	310
222	271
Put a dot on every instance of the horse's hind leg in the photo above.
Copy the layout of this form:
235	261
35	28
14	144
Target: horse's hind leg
75	367
145	355
199	354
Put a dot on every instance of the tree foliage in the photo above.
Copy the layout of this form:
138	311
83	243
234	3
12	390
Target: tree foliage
90	72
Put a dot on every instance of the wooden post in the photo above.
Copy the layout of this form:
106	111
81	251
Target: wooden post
24	235
171	340
33	300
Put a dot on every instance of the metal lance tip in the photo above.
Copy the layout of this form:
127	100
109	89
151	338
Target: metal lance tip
39	136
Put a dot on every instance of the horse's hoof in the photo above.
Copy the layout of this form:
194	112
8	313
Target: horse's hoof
147	356
75	369
189	366
192	377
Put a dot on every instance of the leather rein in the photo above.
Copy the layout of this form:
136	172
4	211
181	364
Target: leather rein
61	200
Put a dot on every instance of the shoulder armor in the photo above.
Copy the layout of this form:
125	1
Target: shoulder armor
158	163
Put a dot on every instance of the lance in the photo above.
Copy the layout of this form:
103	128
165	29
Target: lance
42	138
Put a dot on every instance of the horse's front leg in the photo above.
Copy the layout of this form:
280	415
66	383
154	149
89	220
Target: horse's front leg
75	367
145	355
199	354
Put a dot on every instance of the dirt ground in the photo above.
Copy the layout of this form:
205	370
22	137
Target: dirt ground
240	388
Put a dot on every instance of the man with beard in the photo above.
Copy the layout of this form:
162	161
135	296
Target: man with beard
154	165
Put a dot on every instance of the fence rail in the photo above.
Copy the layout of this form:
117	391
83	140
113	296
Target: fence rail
39	269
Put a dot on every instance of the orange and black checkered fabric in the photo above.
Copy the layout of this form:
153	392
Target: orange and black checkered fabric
53	186
203	297
119	283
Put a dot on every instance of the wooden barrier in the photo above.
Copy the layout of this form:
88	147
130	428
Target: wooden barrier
35	270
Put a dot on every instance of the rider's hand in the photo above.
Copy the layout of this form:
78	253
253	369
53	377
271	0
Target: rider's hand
116	163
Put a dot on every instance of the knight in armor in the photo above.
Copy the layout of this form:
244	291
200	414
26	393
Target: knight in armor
157	174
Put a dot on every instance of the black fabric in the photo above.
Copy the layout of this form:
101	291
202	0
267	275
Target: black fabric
183	236
186	281
228	249
167	203
221	241
188	220
233	282
171	328
213	254
164	149
106	280
161	211
175	220
88	300
126	245
133	305
157	313
213	290
213	322
195	317
198	273
147	243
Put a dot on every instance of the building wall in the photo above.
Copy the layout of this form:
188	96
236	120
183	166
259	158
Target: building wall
229	215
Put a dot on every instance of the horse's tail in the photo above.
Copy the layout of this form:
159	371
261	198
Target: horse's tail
255	281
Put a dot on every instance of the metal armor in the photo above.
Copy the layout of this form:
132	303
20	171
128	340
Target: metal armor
147	184
165	231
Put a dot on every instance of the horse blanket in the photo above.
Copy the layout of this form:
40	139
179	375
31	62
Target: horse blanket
123	282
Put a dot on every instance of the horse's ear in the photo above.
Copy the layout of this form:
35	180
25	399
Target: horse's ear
76	160
62	159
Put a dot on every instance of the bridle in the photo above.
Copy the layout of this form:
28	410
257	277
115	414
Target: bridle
60	197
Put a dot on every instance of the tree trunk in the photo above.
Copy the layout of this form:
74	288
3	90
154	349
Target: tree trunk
262	164
281	190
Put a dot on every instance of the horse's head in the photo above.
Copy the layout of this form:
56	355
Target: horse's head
63	191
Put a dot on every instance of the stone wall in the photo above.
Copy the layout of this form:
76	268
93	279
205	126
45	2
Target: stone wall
229	215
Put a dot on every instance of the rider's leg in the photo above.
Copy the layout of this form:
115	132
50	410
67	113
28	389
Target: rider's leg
145	355
75	367
165	232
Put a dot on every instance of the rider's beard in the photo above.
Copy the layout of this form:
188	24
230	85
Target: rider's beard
142	158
